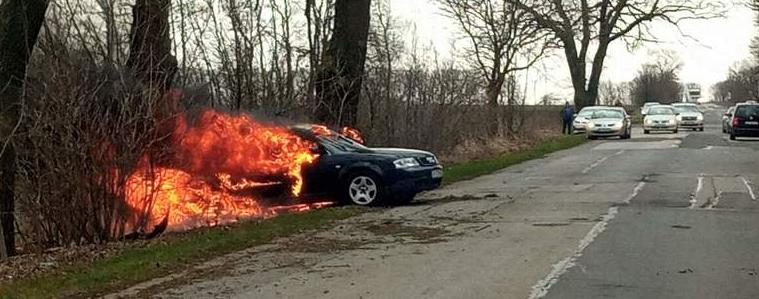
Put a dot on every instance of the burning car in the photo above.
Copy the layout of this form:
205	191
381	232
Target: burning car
355	174
220	168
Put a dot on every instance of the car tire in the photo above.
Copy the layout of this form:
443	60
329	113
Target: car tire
675	131
732	136
363	188
700	129
646	132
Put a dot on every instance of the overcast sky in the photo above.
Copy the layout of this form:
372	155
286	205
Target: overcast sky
713	46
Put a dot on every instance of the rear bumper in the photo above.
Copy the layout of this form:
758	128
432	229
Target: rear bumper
413	181
746	132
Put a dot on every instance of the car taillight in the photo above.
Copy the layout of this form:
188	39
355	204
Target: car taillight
736	121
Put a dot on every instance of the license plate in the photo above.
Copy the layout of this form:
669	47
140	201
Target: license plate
752	123
437	173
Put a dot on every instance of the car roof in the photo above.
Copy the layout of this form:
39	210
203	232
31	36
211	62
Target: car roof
746	104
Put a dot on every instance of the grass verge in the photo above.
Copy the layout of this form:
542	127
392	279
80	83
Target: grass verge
168	255
178	252
472	169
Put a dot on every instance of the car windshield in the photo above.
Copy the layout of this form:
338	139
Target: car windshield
586	113
747	111
342	143
660	111
607	113
686	108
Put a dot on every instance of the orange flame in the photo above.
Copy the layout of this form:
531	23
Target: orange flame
353	134
212	165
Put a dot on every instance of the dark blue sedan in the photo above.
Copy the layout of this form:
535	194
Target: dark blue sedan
356	174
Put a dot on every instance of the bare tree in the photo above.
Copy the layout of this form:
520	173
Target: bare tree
20	23
583	26
342	70
614	93
150	52
658	81
502	38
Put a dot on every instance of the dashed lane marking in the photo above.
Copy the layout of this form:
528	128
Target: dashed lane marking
540	289
694	195
750	188
599	161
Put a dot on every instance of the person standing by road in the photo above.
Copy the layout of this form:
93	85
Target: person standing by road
567	115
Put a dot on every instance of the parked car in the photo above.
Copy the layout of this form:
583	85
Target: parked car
608	122
689	116
646	106
660	118
355	174
745	121
727	119
580	123
582	119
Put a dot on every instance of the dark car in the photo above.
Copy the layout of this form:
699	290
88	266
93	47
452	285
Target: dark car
745	122
356	174
727	119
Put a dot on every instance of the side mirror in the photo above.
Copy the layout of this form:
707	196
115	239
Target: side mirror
728	115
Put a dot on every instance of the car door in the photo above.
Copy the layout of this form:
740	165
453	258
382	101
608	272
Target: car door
321	176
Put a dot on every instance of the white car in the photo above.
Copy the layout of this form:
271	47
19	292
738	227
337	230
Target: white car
660	118
582	119
609	122
689	116
646	106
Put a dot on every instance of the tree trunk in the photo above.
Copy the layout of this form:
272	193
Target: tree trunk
339	83
150	53
493	94
20	23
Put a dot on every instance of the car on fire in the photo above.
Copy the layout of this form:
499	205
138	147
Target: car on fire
356	174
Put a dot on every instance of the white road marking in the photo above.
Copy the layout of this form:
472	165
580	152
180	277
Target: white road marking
714	202
540	289
694	195
599	161
708	148
750	188
637	190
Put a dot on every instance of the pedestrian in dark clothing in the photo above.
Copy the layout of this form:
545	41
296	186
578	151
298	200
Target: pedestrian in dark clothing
567	115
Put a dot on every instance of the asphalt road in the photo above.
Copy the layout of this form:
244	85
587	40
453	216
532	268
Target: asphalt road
658	216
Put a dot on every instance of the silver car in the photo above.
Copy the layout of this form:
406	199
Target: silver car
608	122
727	119
660	118
689	116
646	106
580	123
